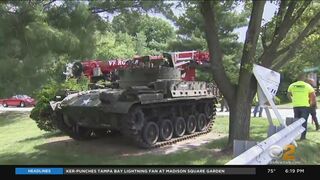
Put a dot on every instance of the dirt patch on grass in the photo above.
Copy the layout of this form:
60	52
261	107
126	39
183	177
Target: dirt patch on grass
118	145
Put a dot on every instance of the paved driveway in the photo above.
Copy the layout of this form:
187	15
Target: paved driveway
16	109
284	113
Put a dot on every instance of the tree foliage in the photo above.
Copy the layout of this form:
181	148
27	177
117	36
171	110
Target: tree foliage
37	38
281	39
191	34
34	38
156	31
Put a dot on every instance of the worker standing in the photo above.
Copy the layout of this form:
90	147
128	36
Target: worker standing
257	107
303	97
313	109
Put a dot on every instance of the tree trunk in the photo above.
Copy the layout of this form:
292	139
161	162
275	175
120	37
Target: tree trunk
240	114
240	110
240	107
239	98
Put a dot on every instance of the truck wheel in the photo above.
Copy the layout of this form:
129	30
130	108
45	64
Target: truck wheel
5	104
22	104
77	69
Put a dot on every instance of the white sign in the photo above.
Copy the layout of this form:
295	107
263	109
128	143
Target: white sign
269	79
268	84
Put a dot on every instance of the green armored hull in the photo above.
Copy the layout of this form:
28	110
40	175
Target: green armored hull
152	107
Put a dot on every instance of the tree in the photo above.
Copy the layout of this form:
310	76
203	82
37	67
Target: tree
141	46
305	58
112	45
111	6
191	35
35	36
133	18
157	31
240	96
191	24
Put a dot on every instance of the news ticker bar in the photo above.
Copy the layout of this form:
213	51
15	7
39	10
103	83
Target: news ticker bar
135	171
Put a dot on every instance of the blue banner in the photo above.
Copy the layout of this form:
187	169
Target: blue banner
39	171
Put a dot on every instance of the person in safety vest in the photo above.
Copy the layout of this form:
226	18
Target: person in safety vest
303	97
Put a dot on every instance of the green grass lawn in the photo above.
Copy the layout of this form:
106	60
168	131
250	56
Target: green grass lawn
23	143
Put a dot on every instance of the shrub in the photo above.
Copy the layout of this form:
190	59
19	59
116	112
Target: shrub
277	100
42	112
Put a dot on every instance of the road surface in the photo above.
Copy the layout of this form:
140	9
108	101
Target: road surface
16	109
284	113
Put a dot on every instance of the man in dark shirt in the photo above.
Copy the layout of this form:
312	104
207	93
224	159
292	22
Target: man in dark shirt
313	109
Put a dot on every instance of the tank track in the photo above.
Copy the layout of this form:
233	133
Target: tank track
132	133
180	139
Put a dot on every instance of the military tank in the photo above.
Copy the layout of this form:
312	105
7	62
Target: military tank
151	106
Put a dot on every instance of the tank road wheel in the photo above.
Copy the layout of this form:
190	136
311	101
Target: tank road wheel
150	133
209	110
80	133
201	122
135	127
191	124
74	131
105	132
137	120
179	126
133	123
165	129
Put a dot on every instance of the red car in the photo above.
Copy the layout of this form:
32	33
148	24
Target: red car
18	100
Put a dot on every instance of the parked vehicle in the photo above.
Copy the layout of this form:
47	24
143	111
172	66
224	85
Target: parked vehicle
19	101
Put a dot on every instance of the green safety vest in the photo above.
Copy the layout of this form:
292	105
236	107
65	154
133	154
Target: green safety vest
300	91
